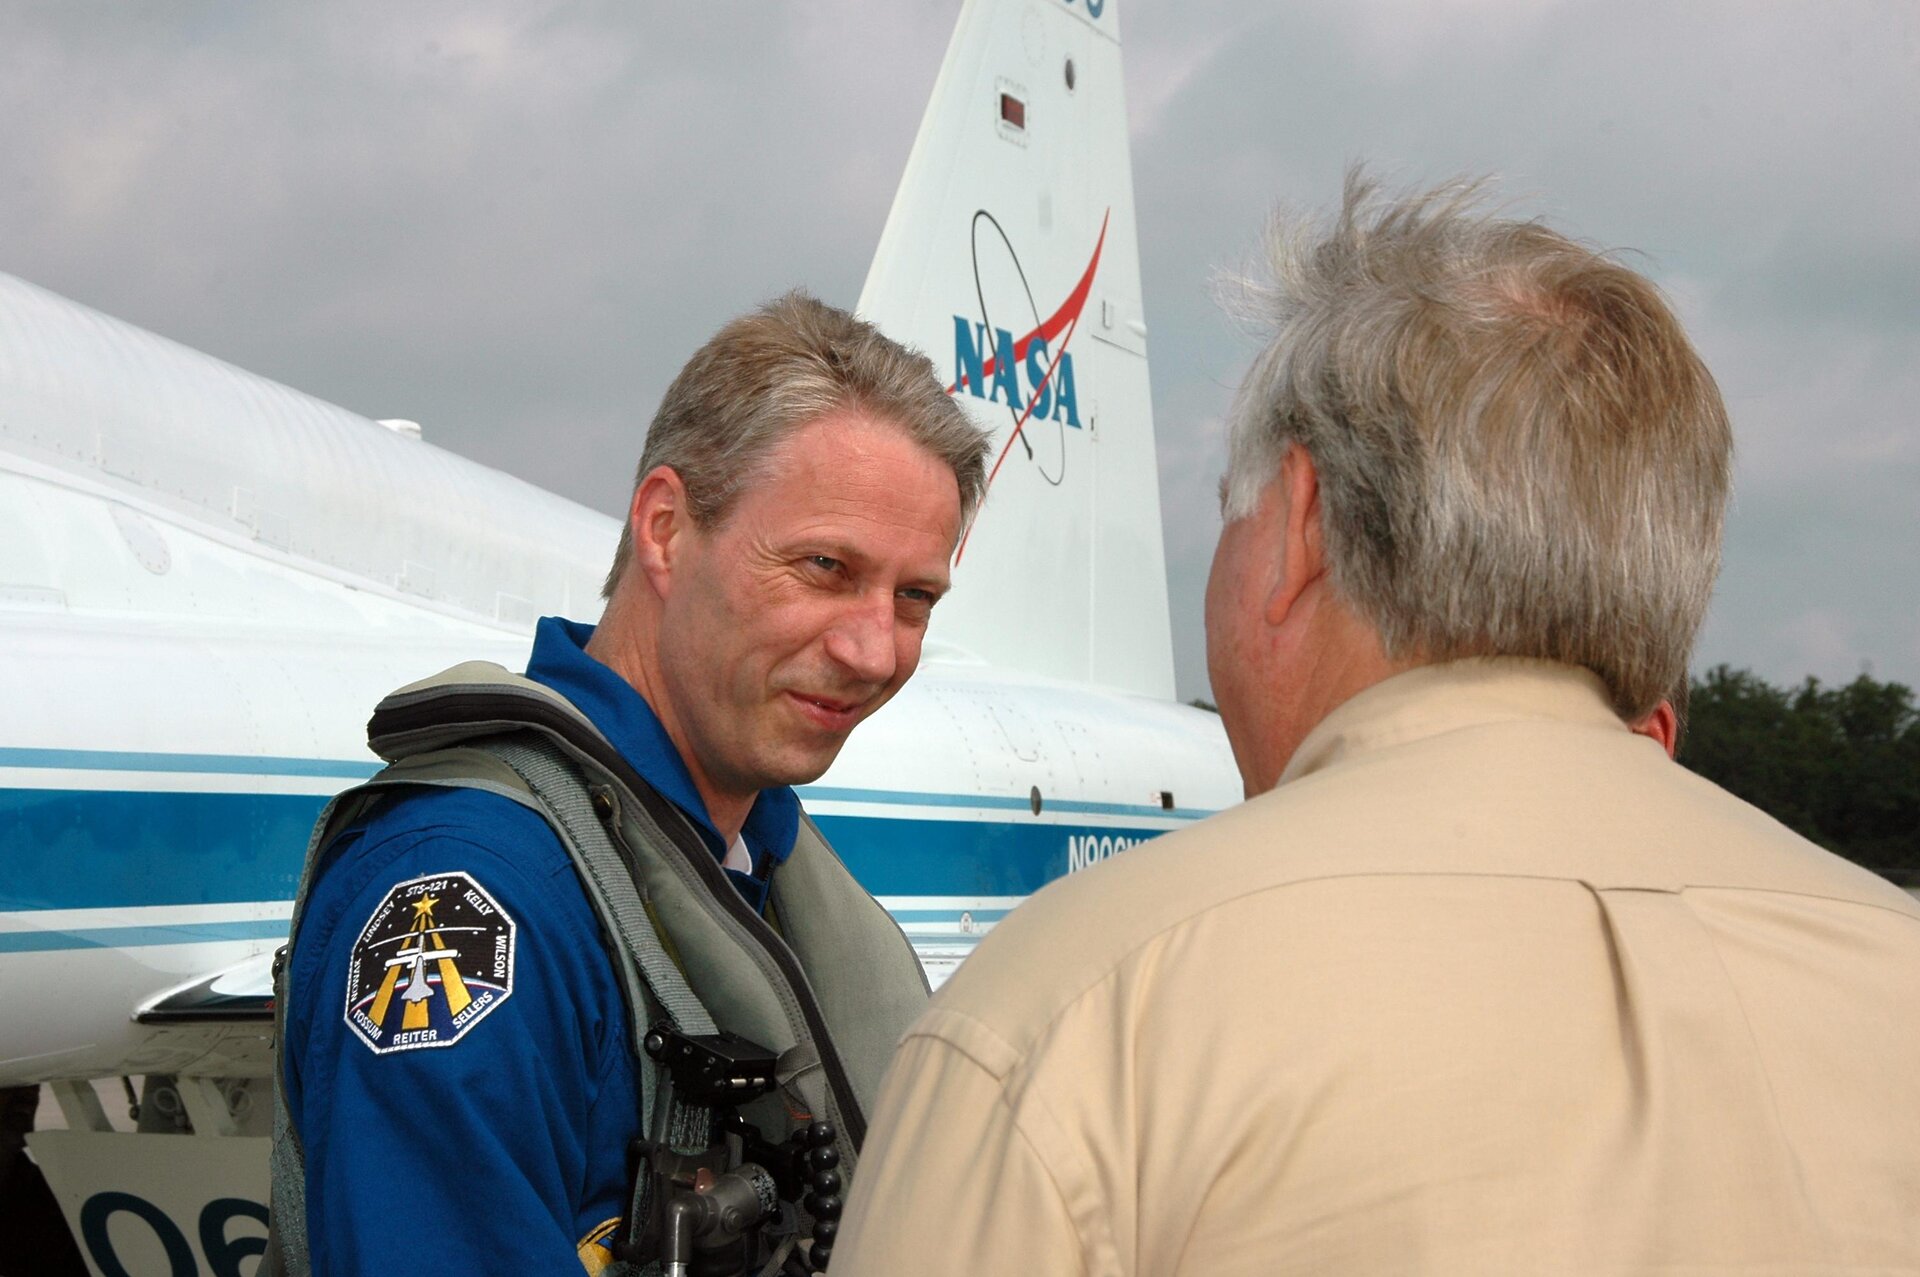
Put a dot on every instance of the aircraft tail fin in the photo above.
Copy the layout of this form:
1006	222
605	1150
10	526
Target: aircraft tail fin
1011	257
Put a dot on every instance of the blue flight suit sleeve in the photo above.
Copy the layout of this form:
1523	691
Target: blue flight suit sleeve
492	1139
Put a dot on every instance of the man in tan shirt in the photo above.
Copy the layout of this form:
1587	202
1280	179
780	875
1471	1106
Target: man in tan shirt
1477	980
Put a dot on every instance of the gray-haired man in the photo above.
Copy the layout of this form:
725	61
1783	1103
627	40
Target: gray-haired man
1476	981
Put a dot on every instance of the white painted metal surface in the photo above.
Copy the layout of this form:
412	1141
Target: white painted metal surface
998	231
186	439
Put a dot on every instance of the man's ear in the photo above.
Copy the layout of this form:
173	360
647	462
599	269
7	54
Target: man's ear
1303	555
1663	725
659	519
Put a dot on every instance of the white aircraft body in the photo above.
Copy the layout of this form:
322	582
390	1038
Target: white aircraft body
207	580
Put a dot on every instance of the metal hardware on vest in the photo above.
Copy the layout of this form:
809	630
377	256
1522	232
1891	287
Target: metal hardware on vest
719	1212
730	1209
712	1069
711	1223
603	804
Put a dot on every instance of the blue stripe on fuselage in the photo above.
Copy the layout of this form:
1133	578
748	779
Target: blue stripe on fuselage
136	761
102	849
918	857
129	937
92	849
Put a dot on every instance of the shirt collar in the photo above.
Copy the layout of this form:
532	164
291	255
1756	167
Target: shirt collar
623	716
1431	699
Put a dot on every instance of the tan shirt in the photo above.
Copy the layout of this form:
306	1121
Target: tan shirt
1487	985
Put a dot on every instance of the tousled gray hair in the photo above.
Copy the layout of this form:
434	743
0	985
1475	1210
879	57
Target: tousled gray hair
1519	452
772	371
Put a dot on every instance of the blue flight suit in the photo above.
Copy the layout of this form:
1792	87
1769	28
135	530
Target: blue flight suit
503	1149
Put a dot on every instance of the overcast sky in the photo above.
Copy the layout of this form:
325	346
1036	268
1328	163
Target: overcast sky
514	221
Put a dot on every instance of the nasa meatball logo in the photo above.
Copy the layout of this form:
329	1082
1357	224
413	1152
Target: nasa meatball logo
434	960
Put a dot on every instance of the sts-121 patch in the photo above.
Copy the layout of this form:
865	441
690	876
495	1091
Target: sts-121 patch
434	960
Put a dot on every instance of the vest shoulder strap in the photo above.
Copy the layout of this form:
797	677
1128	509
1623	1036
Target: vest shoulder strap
882	988
473	700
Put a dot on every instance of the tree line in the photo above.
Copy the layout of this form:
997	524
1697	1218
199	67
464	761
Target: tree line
1841	765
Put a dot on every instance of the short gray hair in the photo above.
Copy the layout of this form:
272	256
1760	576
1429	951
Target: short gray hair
772	371
1519	452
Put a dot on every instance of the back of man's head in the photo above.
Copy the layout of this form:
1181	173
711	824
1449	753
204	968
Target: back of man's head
1519	452
778	368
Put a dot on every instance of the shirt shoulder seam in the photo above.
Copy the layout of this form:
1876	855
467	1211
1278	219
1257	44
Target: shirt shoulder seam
1018	1122
1161	934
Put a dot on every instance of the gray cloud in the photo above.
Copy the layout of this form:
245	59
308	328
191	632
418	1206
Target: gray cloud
1758	160
514	221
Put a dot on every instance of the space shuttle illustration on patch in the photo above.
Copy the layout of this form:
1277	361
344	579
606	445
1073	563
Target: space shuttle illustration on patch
435	958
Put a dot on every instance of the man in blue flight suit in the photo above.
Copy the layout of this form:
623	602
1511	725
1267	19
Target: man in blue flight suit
799	496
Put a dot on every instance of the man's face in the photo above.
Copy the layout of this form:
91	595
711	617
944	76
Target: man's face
803	611
1239	652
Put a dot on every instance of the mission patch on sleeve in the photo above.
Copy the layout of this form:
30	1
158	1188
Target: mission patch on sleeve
432	961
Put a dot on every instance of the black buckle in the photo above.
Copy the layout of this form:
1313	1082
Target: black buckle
712	1070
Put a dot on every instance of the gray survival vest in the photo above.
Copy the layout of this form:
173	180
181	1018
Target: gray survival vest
831	990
